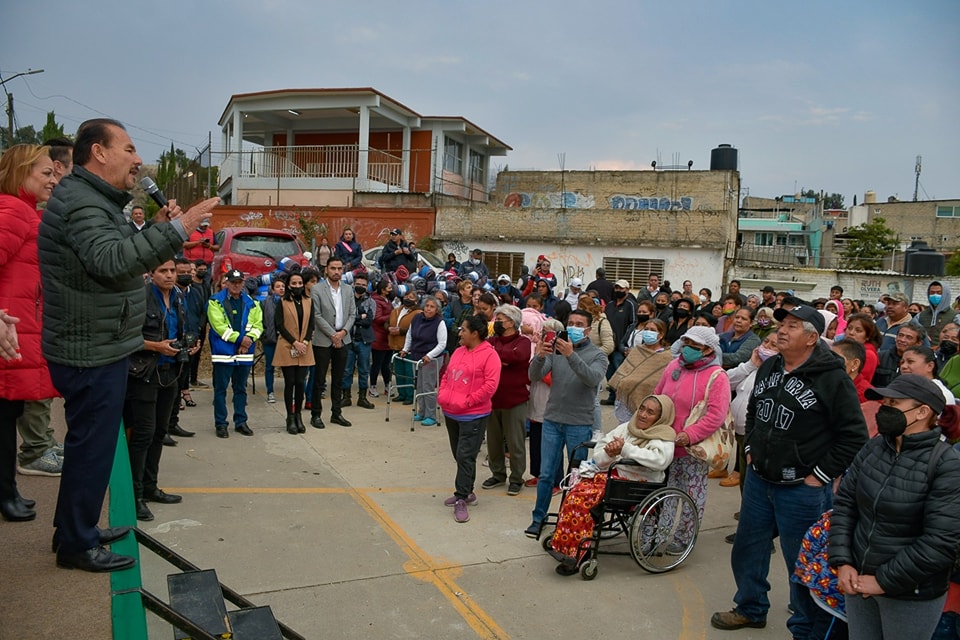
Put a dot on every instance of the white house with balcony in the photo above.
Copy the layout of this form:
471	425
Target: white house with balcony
320	147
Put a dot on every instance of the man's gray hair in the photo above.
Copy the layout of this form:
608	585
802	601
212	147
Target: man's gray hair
809	328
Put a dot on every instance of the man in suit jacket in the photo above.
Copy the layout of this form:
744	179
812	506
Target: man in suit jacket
334	312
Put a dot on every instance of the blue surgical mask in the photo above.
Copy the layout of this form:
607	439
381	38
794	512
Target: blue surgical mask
648	336
690	354
503	288
576	334
935	298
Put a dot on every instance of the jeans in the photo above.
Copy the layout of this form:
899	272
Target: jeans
358	356
615	360
767	509
552	440
268	371
465	440
948	628
93	406
224	374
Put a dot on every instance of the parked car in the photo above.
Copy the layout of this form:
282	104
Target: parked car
425	257
256	251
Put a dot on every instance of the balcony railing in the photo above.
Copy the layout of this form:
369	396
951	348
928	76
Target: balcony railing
326	161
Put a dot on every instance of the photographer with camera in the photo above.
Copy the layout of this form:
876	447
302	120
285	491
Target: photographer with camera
153	386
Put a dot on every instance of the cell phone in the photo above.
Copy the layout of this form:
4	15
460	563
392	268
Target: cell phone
549	336
561	336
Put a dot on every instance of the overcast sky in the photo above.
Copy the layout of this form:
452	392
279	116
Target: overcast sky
839	96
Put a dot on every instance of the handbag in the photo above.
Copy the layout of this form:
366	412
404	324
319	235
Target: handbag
718	449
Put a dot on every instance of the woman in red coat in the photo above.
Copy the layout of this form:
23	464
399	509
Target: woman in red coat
26	178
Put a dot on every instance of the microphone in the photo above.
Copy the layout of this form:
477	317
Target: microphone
152	190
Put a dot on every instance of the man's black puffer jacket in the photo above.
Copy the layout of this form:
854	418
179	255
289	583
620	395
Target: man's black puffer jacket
888	521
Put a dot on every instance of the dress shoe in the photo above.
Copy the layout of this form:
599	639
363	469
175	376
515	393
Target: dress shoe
180	432
243	429
161	496
143	511
291	425
27	502
107	536
15	511
97	560
299	422
317	422
222	431
338	418
732	480
168	441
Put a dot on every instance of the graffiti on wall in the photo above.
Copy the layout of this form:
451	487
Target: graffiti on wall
549	200
640	203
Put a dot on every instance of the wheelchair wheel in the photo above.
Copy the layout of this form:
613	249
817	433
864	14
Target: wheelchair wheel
663	530
589	569
547	541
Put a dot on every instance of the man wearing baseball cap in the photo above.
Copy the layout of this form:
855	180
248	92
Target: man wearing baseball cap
396	253
506	292
804	426
895	316
574	289
236	323
201	245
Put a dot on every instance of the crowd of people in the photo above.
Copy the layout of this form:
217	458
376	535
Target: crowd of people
841	408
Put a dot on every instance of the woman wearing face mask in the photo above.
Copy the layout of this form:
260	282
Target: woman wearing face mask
661	302
742	378
765	323
728	306
685	380
398	326
640	372
682	319
425	342
380	352
294	322
896	519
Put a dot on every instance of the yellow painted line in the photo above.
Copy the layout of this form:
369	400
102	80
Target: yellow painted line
694	614
422	567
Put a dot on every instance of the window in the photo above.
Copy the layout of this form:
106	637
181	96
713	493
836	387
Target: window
633	270
781	240
503	262
476	166
764	239
797	241
948	212
452	156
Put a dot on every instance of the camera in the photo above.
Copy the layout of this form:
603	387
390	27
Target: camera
184	346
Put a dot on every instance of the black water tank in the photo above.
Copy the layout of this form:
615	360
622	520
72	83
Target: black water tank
922	260
723	158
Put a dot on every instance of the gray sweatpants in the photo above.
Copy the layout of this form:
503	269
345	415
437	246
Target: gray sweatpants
882	618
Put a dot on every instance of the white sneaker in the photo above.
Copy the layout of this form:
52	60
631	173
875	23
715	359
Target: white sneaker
373	392
271	398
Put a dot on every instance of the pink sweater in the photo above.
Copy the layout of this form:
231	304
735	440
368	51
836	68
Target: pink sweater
687	391
471	379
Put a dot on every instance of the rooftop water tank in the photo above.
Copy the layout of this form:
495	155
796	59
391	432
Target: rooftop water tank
922	260
870	197
723	158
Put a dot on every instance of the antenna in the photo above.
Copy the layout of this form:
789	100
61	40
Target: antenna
916	184
562	159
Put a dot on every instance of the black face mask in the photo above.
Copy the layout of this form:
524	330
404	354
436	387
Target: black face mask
184	280
681	313
296	292
642	318
660	306
409	303
201	275
948	348
390	295
498	328
891	421
619	294
360	290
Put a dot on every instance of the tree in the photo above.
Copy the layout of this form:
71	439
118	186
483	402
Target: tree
953	264
833	201
51	129
868	245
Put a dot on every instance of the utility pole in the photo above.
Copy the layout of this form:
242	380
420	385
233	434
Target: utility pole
28	72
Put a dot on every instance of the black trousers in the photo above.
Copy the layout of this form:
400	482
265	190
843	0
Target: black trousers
294	378
146	414
10	410
329	358
93	404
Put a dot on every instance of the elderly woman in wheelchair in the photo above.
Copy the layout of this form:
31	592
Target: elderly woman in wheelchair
622	490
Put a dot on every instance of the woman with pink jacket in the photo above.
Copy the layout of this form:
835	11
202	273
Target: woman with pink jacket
466	398
685	381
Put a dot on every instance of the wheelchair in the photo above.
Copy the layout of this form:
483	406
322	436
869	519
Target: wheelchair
648	514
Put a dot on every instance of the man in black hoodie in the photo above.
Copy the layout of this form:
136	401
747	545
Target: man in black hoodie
804	426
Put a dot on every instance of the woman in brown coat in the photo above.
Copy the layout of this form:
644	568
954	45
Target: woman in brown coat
294	321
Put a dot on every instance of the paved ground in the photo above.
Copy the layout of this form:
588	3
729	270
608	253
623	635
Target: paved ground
343	532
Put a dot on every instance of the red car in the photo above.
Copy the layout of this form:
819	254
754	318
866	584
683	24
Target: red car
255	251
